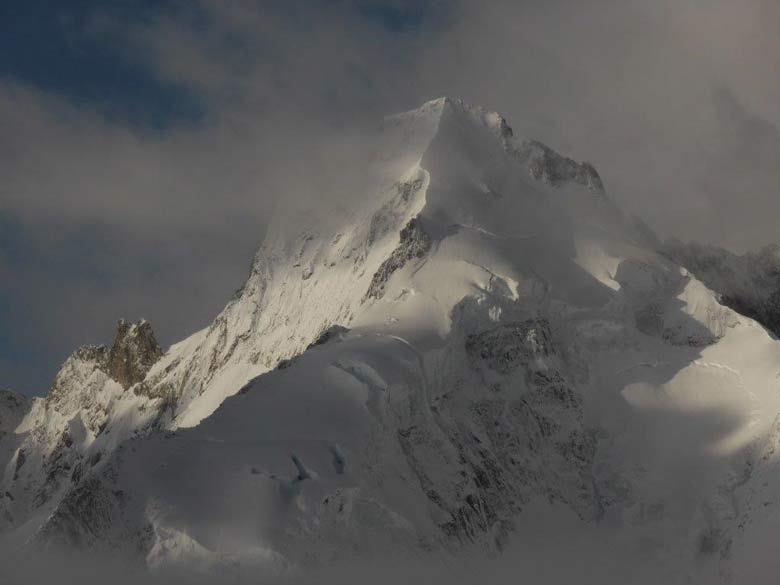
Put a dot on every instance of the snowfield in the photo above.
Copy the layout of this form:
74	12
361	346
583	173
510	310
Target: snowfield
481	354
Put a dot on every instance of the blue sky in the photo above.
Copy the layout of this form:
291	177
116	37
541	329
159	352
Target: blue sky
50	45
58	47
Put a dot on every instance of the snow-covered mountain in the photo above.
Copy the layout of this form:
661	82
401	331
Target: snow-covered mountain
478	345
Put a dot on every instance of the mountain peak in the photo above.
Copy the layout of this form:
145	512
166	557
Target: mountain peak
133	352
545	164
480	332
447	110
454	121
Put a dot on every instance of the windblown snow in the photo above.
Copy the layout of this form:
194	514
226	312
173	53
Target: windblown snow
481	348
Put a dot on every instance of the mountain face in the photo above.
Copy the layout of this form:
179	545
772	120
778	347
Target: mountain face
748	283
479	348
88	412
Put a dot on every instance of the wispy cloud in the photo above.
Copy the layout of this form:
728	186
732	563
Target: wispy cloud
674	102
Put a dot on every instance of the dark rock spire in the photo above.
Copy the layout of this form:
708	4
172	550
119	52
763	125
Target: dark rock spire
133	352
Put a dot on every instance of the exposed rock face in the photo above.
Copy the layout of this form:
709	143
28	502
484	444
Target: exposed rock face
544	164
78	367
133	352
505	348
414	243
60	439
512	432
83	516
331	333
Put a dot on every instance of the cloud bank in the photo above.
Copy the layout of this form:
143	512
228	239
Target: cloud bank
102	217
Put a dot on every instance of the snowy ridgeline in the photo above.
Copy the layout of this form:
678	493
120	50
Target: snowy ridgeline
481	350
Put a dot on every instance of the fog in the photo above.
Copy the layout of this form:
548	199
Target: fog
674	102
561	550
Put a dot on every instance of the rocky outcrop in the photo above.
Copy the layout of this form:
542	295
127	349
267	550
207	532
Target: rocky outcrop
507	347
514	432
76	371
544	164
133	352
84	518
414	243
61	438
331	333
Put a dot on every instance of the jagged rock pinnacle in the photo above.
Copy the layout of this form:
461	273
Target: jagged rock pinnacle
133	352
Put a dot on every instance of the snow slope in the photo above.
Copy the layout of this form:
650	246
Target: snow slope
479	337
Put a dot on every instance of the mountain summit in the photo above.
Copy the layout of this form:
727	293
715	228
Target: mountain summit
482	346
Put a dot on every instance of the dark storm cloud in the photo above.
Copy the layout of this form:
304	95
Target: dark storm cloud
676	103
